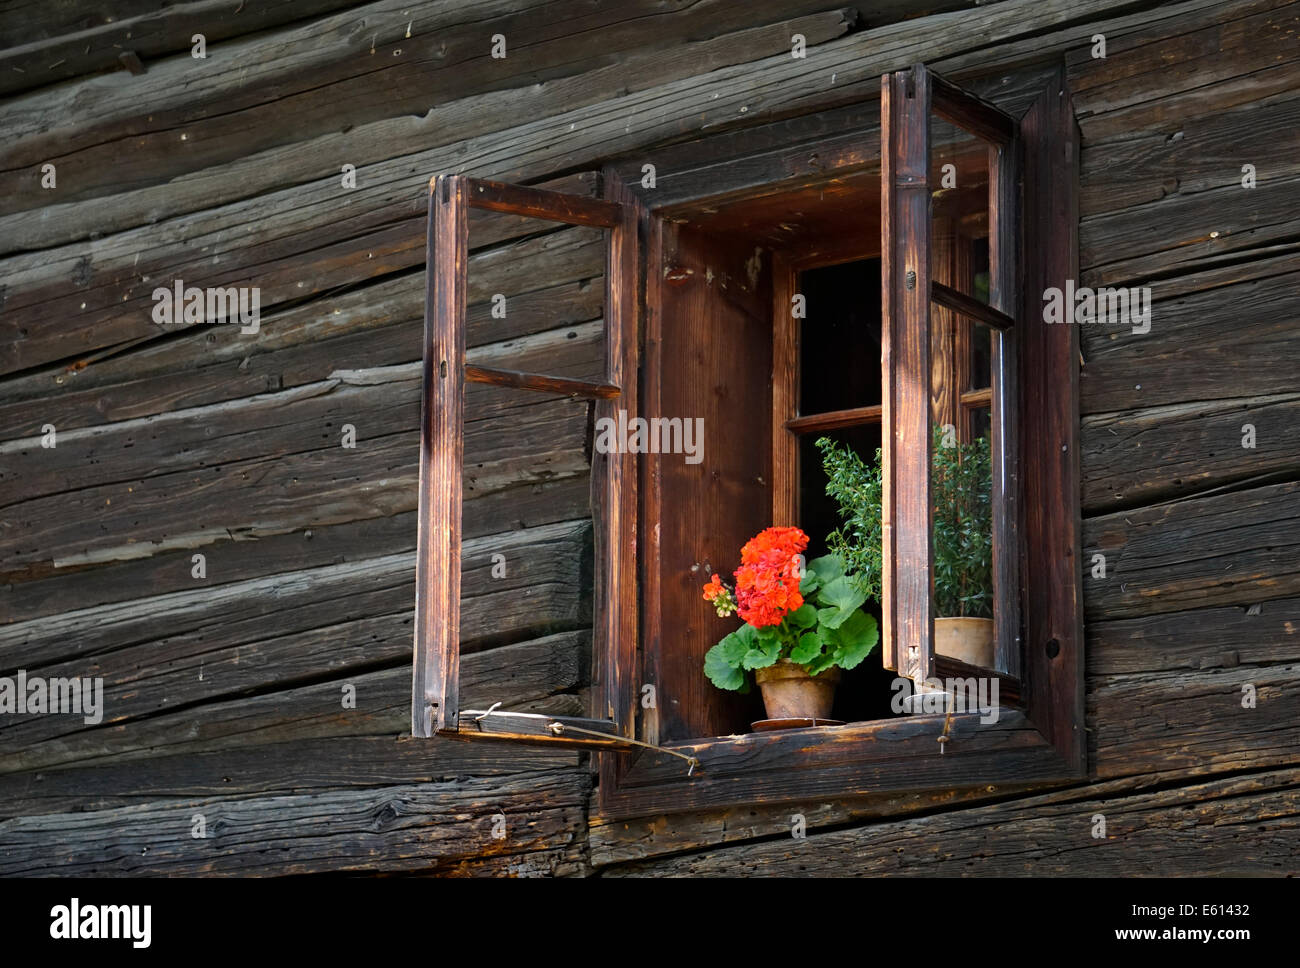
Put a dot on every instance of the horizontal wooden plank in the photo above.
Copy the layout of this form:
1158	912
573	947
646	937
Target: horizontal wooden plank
410	827
834	420
1139	457
1120	248
263	138
541	204
1221	340
354	617
970	307
1265	633
1206	152
1197	723
290	489
304	766
638	838
1151	77
766	158
380	323
1241	826
204	618
538	676
291	421
540	382
1228	549
77	40
812	764
305	246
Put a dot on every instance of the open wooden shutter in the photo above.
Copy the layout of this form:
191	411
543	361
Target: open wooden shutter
908	100
435	699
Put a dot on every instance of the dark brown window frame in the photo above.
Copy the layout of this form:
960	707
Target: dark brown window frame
435	703
1038	744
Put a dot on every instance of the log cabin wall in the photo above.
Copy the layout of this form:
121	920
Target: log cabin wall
226	687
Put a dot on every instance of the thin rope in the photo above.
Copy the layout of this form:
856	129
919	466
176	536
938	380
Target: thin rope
561	728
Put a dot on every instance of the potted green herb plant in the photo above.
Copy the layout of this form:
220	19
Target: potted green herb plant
803	623
962	560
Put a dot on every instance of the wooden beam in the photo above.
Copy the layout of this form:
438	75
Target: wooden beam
785	393
442	440
539	382
567	731
970	306
907	616
540	203
970	113
1213	828
1049	433
615	498
975	399
1004	402
1009	691
834	420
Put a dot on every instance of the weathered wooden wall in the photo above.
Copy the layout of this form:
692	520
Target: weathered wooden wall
224	695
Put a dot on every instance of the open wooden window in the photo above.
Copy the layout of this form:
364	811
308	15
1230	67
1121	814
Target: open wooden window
721	263
911	101
435	700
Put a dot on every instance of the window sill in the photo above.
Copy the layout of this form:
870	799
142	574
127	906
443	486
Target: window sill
895	755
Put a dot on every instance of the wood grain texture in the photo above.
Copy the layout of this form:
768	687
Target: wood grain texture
436	679
1226	338
907	624
1244	825
1140	457
305	241
253	141
713	331
411	827
785	394
539	676
302	766
1188	93
1053	654
1236	548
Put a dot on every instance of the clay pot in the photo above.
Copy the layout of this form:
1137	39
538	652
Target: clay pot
967	639
790	693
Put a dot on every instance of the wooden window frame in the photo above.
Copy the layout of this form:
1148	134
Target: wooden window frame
1038	742
909	99
435	701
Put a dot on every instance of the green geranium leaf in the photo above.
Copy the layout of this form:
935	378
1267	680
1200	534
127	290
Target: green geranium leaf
808	648
810	582
854	640
763	655
820	664
802	618
732	649
827	567
840	599
722	672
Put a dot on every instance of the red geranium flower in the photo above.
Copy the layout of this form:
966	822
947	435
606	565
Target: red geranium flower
713	589
767	581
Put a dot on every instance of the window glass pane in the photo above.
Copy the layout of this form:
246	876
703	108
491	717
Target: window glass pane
961	480
839	339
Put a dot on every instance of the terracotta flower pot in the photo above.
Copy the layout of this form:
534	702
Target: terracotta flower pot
967	639
790	693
